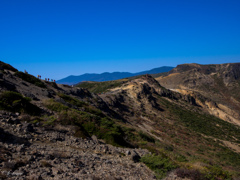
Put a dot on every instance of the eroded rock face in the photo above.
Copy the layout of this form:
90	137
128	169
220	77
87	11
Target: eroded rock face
217	84
32	152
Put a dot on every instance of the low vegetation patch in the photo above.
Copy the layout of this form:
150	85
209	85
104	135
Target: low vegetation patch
216	172
15	102
209	125
55	106
205	124
87	107
72	100
89	122
193	174
100	87
146	137
30	78
159	164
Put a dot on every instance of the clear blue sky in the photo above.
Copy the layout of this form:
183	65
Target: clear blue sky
57	38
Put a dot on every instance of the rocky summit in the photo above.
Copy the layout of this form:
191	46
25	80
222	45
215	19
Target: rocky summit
169	127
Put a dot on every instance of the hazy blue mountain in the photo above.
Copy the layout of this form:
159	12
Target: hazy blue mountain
106	76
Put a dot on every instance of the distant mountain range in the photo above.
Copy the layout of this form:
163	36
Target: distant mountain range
106	76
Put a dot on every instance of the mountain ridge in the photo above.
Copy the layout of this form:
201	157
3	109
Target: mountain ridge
107	76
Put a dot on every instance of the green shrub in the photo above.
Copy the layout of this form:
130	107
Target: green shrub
204	124
216	172
100	87
89	122
181	158
53	84
15	102
94	111
80	132
72	117
78	103
49	120
168	147
90	127
72	100
159	164
146	137
30	78
190	174
55	106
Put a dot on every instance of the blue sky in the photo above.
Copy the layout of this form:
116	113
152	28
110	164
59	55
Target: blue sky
57	38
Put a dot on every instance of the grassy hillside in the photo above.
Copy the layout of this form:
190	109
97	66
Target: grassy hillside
194	143
191	141
100	87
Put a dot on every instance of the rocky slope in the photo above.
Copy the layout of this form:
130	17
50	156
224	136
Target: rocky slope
215	87
32	152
